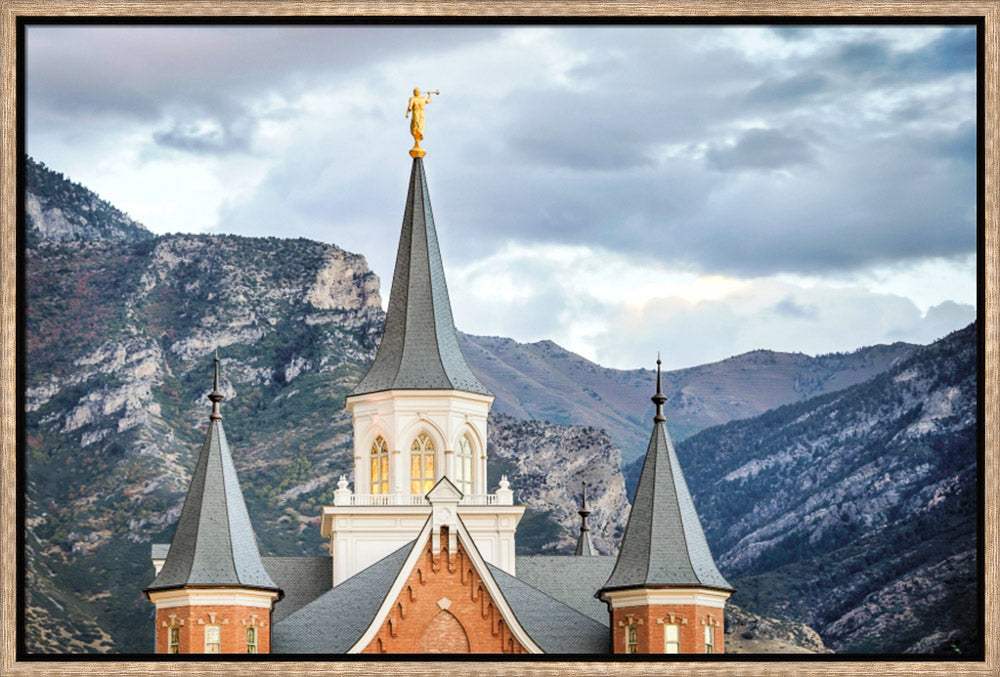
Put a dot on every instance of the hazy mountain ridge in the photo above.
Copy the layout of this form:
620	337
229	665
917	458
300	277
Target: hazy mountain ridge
545	381
119	365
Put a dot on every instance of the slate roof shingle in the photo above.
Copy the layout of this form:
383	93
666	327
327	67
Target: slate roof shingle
555	627
571	580
332	623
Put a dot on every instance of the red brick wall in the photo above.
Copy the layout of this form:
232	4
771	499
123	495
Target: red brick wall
232	622
467	622
692	620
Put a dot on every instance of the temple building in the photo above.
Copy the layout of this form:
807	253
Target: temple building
422	555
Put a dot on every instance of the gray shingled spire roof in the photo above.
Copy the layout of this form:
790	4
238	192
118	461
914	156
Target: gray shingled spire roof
419	348
584	547
663	545
214	543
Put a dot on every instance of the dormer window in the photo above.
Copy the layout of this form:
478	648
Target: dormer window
379	467
463	465
421	464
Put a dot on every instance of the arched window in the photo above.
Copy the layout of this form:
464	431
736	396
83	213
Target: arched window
463	465
380	466
421	464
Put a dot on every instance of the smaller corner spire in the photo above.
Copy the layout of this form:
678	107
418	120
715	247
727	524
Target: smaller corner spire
659	398
215	396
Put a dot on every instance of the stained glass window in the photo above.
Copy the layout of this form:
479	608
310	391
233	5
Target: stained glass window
380	467
421	464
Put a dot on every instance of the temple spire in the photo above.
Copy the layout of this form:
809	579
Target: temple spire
663	544
214	542
419	348
584	546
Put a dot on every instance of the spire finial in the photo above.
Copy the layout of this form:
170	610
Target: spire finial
215	395
659	398
584	546
416	106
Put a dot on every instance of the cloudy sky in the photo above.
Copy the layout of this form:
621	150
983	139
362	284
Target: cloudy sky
621	190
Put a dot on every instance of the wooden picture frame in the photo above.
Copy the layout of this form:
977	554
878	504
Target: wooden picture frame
12	10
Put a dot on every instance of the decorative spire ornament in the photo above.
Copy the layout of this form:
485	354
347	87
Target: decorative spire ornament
584	546
416	106
659	398
215	395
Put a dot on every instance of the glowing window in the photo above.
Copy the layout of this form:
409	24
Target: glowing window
672	635
709	639
213	639
251	639
421	464
463	465
174	640
380	466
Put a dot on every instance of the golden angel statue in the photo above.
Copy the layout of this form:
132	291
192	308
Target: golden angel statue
416	106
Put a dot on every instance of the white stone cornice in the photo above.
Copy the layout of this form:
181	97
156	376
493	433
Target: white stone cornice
167	599
706	597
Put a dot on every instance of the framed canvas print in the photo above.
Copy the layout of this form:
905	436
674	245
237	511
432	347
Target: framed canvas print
526	337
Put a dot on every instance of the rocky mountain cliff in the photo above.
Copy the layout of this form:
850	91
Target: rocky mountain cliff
59	210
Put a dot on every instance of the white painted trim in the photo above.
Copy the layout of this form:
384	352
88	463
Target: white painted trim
385	395
715	599
506	613
169	599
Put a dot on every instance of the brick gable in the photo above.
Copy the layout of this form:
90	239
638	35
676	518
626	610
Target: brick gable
444	607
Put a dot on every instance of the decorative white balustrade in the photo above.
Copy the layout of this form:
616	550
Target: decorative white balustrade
345	497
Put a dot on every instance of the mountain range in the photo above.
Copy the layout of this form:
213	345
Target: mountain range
801	467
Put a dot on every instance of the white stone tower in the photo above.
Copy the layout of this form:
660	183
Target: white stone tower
418	415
